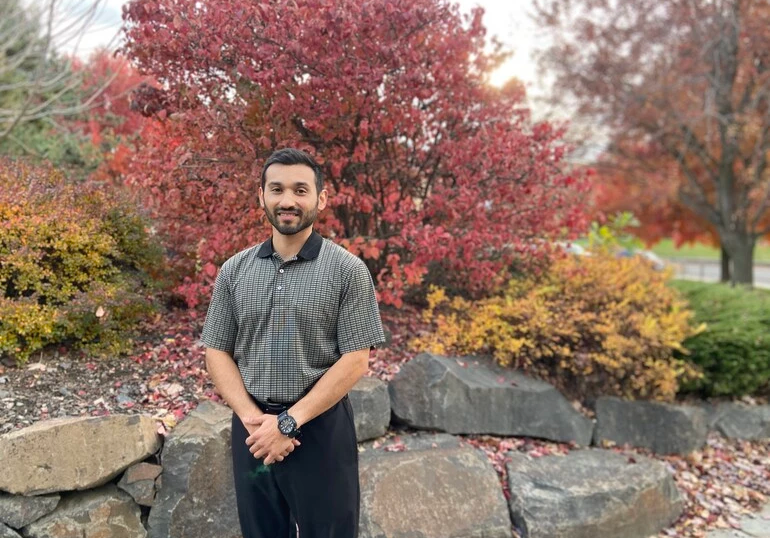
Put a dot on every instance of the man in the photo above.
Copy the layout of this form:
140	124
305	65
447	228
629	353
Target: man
288	334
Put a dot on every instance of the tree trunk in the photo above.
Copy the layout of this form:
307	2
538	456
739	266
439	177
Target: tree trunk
740	248
725	272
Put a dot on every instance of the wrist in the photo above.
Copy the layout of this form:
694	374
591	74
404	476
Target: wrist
244	414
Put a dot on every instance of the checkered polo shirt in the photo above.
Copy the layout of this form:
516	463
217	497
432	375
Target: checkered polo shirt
285	323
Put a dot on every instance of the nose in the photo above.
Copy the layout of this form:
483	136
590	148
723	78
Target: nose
286	201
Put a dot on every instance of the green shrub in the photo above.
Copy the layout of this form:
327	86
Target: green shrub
734	350
74	264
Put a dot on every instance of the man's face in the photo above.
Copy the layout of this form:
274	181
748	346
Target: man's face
290	197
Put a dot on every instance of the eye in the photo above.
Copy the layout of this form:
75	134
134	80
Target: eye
275	189
301	191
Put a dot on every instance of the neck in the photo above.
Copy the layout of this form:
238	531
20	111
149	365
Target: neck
288	246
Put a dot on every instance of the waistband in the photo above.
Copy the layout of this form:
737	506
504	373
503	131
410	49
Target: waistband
273	408
276	408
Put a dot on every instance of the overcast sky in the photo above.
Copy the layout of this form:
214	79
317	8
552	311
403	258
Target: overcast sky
509	20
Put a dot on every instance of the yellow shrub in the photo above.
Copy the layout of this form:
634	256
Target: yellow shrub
592	325
67	252
25	327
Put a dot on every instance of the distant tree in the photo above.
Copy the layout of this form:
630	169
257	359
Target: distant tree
38	86
682	87
426	163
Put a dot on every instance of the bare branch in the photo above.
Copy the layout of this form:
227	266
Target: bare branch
43	83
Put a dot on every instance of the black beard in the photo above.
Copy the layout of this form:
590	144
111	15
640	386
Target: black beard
305	220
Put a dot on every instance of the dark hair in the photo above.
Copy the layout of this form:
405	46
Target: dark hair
294	156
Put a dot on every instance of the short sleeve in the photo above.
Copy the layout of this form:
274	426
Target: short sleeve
359	325
221	327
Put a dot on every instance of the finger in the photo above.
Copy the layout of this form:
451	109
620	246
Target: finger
268	460
290	448
295	442
279	457
253	438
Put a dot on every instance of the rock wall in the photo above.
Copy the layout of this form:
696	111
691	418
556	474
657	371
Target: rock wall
116	476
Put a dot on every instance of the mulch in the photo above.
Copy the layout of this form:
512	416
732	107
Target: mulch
166	378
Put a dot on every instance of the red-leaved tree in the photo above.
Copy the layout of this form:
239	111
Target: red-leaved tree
427	164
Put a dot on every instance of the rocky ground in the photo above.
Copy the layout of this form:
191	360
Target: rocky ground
166	378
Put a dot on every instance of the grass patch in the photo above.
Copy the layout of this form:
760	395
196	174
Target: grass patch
666	249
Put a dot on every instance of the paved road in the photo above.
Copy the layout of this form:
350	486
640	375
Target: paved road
752	526
708	271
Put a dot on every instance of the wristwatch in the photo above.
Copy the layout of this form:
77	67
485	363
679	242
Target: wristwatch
287	425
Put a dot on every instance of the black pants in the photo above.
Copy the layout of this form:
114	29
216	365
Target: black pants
316	486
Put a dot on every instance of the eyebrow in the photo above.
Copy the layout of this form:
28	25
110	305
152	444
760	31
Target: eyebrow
295	184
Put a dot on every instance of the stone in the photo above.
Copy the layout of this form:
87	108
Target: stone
139	482
590	493
101	512
74	453
757	525
142	471
431	493
415	441
17	511
740	421
728	533
7	532
371	408
473	395
196	498
661	427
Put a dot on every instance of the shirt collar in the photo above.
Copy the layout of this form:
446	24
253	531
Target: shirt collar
309	250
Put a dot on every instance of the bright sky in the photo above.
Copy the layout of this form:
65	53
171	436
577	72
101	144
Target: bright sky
509	20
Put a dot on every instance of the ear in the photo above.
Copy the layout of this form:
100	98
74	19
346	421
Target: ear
322	199
261	195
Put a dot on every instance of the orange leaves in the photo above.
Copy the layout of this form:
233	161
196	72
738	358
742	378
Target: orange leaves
368	249
593	325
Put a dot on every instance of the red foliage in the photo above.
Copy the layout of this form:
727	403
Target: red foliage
425	162
110	122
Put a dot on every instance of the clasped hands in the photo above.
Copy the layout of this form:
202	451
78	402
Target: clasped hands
266	441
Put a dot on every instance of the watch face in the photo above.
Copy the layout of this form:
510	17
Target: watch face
286	424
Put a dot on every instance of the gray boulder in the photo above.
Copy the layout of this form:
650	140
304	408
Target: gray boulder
74	453
443	492
591	493
415	441
17	511
7	532
371	408
740	421
661	427
196	498
139	482
105	511
474	395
